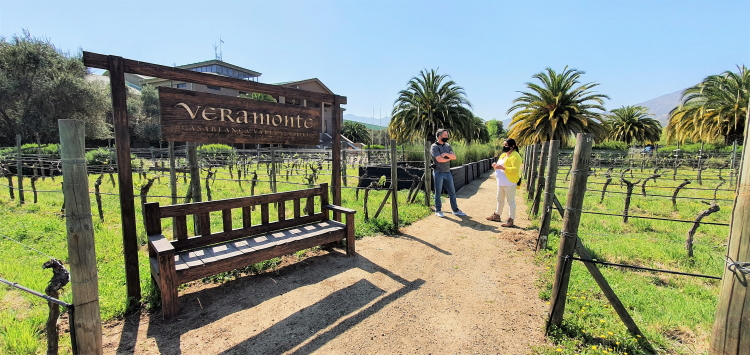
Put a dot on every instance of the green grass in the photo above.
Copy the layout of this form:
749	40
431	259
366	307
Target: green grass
674	312
40	226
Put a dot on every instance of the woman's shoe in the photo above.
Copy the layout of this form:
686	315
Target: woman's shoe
509	223
495	218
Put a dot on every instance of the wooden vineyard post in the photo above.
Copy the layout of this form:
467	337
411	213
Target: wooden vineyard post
394	184
273	170
731	331
19	169
549	193
732	171
336	121
525	163
427	173
81	247
533	173
195	181
125	177
540	179
569	232
172	173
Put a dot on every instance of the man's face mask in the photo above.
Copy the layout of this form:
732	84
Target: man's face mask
444	140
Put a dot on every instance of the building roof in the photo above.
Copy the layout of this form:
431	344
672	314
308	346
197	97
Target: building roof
218	62
305	81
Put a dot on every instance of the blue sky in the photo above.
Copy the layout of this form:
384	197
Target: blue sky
368	50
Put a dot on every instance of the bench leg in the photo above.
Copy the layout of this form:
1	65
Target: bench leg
350	251
168	285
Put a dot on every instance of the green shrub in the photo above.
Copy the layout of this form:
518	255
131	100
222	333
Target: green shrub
611	145
696	147
101	156
215	149
374	146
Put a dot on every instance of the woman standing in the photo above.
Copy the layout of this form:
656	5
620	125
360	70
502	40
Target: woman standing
507	172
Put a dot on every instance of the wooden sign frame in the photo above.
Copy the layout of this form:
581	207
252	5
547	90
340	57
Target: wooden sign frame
117	67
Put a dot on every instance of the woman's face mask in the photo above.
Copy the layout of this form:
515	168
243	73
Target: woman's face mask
506	149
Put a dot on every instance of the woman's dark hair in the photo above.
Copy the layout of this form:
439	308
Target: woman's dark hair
512	143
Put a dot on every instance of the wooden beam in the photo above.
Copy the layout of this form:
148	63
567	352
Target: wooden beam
94	60
124	176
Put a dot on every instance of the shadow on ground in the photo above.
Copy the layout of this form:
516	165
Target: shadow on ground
341	309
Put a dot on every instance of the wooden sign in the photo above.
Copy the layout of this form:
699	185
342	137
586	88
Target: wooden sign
190	116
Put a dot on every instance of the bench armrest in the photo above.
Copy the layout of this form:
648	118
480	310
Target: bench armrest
160	244
339	209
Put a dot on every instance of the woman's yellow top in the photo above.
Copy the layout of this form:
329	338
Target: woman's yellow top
512	166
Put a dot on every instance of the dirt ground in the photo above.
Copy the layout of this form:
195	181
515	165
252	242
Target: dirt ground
457	285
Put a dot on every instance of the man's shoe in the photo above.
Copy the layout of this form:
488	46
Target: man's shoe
508	224
439	214
459	213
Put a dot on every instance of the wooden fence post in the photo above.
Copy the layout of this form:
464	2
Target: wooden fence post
732	172
549	193
533	172
195	181
172	173
81	248
540	178
19	169
571	219
731	331
394	184
427	173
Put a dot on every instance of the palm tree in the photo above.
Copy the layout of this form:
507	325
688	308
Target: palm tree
632	123
355	132
557	109
713	110
431	101
479	131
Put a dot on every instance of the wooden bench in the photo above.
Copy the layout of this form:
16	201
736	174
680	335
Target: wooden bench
184	259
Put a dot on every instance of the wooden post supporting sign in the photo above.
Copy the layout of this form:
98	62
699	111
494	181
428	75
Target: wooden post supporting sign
125	178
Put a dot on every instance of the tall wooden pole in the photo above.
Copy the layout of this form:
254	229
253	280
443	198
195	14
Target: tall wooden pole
81	248
125	178
394	184
571	219
549	193
19	169
731	332
336	122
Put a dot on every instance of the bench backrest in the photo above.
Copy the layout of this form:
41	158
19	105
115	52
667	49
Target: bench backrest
153	214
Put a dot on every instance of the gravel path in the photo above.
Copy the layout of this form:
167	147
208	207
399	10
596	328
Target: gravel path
444	286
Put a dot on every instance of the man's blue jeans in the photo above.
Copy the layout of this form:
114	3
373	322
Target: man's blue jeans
444	179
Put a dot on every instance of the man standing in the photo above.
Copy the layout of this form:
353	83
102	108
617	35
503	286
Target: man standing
443	154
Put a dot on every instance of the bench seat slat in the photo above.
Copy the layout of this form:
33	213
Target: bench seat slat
191	259
179	263
220	237
266	247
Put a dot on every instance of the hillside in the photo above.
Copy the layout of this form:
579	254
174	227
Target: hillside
368	121
662	105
